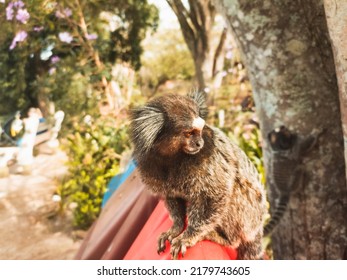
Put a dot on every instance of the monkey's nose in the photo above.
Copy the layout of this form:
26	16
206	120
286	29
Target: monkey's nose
199	144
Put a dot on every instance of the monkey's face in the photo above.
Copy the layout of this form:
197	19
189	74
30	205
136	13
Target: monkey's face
181	136
169	125
192	141
183	127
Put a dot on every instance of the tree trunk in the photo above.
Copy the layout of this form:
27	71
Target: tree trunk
196	26
336	14
286	50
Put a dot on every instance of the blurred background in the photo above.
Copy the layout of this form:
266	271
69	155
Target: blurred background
94	60
70	71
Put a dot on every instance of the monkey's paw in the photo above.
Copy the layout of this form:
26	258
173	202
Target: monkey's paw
179	245
169	235
166	236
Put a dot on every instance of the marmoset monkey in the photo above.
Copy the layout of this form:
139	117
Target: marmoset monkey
200	174
286	169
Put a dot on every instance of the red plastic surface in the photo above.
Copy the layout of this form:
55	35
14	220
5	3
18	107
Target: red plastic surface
145	245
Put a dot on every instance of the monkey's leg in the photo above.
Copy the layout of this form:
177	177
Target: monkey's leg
203	215
250	250
219	236
177	211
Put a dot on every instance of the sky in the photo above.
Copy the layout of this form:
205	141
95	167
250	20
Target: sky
167	17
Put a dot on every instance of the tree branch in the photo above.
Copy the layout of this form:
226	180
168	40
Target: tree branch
188	31
219	50
194	14
94	53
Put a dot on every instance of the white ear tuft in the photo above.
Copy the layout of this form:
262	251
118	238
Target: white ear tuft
200	99
198	123
147	122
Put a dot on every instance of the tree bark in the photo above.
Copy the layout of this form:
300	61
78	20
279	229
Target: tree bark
336	14
286	50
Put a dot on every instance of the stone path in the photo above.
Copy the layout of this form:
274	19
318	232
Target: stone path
29	225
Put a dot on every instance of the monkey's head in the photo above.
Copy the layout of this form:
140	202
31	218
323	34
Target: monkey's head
169	125
282	139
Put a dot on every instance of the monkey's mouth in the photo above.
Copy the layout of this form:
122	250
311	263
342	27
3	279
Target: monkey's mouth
191	151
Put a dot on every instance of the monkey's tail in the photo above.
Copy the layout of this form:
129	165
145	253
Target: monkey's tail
277	215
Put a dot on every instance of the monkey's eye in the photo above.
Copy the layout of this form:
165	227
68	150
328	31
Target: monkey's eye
187	134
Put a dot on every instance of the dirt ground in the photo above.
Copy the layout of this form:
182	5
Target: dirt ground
29	226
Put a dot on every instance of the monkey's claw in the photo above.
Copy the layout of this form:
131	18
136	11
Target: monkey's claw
165	236
178	246
161	244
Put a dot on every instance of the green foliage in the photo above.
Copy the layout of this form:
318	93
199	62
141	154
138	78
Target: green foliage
94	154
240	122
44	65
125	41
166	58
249	140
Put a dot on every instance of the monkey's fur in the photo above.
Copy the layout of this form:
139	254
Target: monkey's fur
200	174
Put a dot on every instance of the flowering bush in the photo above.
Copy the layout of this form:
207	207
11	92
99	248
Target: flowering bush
63	51
45	43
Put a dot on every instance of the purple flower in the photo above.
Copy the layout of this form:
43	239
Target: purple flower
38	28
63	13
67	12
55	59
59	14
9	11
51	71
65	37
22	15
229	54
93	36
18	4
20	37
